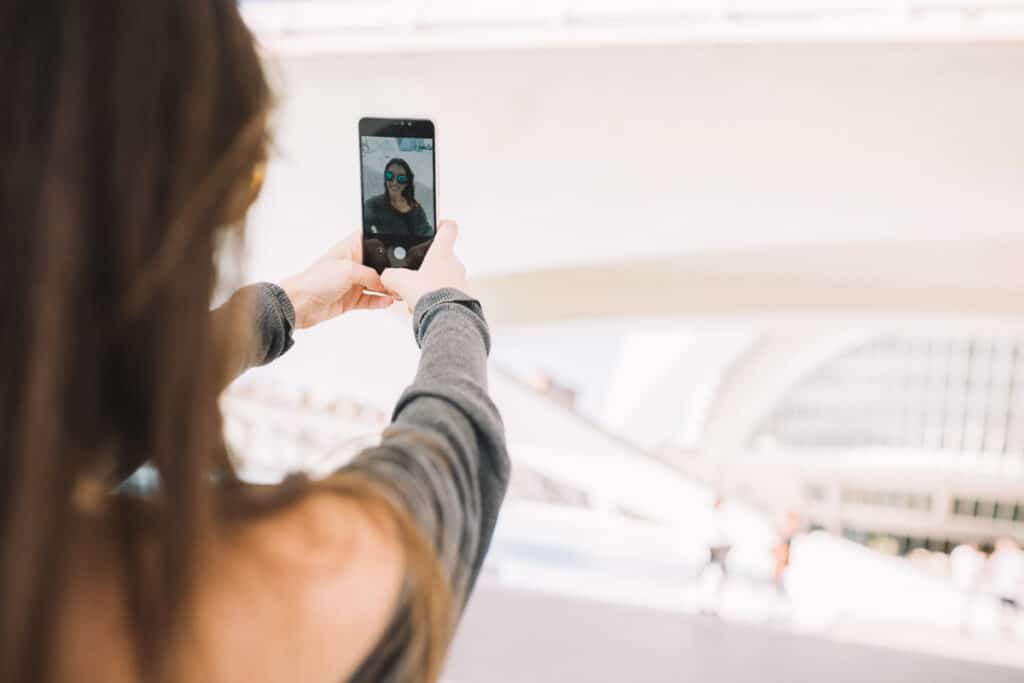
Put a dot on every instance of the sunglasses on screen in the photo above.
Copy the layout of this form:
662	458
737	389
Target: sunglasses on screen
389	176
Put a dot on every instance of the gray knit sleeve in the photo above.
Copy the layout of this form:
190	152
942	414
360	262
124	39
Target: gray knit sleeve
444	456
270	321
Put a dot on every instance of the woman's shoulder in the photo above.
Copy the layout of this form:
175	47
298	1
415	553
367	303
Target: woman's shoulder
325	566
318	530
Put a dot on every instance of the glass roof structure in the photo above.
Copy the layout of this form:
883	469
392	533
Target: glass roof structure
959	394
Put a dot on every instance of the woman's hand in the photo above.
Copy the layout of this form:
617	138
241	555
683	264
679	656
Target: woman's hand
440	268
335	284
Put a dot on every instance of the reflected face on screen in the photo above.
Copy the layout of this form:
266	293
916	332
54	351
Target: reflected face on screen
396	180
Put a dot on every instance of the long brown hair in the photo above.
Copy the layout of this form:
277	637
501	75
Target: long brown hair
128	137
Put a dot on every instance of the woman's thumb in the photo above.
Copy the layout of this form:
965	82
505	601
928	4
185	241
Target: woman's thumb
447	231
394	279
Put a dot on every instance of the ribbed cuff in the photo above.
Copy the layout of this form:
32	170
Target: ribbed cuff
281	296
446	295
274	323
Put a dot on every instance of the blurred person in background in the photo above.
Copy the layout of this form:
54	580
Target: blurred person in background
783	551
718	545
966	564
1006	573
396	211
134	137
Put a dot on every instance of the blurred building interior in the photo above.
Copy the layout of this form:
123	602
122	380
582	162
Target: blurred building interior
768	252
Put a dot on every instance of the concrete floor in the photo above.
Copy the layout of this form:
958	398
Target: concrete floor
510	636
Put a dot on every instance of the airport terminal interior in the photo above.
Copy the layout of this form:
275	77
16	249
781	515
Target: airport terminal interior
755	275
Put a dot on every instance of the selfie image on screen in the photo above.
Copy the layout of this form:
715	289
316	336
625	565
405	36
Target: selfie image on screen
398	199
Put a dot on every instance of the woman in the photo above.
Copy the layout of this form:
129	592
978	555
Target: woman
133	137
396	211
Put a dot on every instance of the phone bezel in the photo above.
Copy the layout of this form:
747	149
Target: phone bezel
396	128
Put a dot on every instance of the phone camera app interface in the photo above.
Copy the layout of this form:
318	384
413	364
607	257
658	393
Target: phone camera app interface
398	200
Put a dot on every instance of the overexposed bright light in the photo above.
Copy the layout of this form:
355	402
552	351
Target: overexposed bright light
387	25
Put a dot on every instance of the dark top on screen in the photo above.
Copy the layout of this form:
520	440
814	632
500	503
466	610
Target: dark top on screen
380	218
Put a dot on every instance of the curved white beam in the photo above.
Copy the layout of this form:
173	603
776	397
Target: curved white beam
953	281
755	384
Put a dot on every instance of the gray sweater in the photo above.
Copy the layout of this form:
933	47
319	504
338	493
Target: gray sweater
444	455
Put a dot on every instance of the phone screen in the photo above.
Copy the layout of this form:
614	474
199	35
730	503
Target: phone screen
399	199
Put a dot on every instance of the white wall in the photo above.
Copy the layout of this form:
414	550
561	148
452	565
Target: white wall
566	157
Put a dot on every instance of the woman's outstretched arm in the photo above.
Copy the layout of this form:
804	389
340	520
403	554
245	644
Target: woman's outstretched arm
444	458
443	461
269	314
444	455
267	319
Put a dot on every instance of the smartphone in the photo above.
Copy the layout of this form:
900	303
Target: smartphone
398	171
